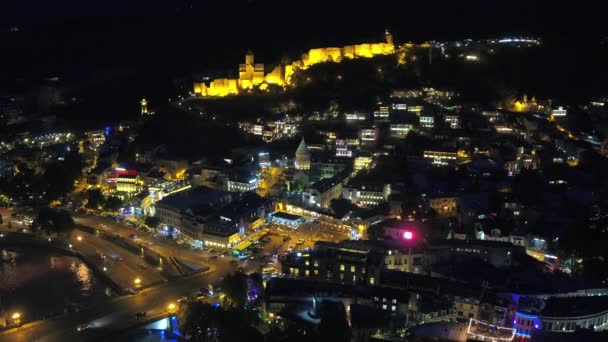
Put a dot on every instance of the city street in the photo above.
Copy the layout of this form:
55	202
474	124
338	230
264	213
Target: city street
112	316
121	265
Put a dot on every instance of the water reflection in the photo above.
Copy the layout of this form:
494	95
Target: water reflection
42	284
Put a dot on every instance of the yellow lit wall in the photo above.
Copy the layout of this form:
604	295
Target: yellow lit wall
276	76
252	75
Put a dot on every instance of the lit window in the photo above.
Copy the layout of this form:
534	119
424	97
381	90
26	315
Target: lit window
342	267
383	306
307	273
353	269
316	263
372	281
307	262
393	308
316	272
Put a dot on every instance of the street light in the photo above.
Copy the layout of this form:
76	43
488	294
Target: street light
79	238
137	281
16	318
171	307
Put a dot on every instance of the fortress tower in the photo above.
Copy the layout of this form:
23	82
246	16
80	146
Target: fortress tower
250	74
389	37
144	106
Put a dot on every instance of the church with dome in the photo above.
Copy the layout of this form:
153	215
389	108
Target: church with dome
303	156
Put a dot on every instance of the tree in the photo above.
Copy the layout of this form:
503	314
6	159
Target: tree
234	287
59	177
54	222
334	326
152	221
203	322
95	199
113	203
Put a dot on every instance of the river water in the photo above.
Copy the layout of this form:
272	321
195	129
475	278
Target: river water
39	283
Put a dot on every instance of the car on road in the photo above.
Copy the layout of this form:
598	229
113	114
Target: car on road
133	291
300	241
83	327
182	300
102	225
290	248
133	236
140	314
143	266
287	238
119	258
150	242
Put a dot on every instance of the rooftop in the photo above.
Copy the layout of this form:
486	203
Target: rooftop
191	199
575	306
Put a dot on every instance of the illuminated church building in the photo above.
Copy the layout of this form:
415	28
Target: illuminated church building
252	75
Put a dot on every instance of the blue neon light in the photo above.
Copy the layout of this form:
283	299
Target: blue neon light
526	316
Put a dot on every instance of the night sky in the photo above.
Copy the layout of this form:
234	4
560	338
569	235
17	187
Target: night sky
157	40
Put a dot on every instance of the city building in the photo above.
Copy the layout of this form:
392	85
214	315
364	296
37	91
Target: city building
441	158
362	162
366	195
242	184
562	314
559	113
322	192
496	253
347	262
381	114
303	156
400	130
355	117
124	181
427	121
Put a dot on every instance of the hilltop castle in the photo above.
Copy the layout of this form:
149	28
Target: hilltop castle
252	75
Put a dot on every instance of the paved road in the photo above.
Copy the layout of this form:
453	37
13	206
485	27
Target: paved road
118	313
108	317
122	272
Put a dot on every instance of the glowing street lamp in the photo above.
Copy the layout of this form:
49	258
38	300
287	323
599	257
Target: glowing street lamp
16	318
79	238
137	281
171	307
408	235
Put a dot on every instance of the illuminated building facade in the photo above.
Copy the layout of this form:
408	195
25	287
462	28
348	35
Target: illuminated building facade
367	195
239	185
253	75
144	106
126	181
441	158
427	121
362	162
302	156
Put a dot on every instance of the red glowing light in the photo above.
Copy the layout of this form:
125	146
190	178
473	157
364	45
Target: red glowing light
408	235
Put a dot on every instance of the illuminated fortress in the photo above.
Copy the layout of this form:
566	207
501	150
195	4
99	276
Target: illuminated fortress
252	75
